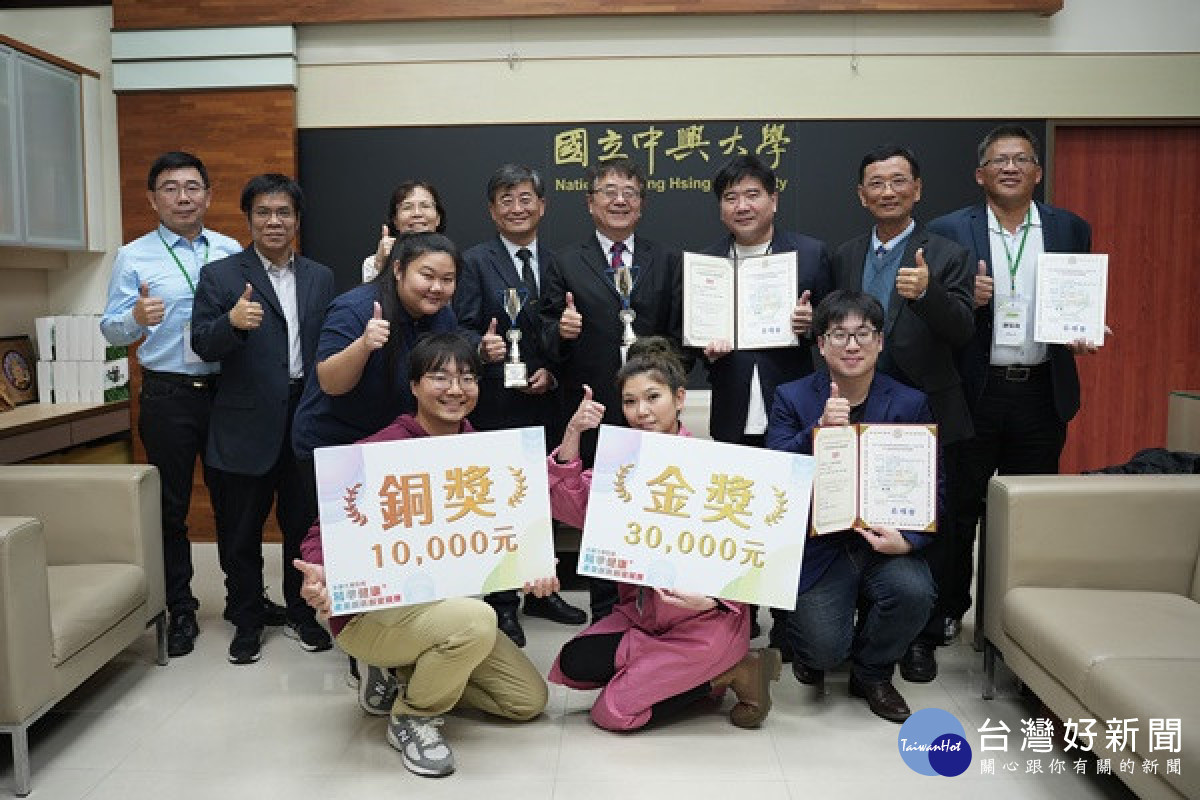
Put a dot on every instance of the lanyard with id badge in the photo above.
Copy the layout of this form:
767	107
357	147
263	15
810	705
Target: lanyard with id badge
189	355
1012	314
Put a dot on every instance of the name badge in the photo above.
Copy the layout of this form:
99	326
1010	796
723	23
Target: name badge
1011	321
189	355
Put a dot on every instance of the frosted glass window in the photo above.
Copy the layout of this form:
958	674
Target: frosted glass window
10	221
52	154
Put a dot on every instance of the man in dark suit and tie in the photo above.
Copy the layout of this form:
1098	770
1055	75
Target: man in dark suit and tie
581	303
259	313
512	260
1022	393
924	282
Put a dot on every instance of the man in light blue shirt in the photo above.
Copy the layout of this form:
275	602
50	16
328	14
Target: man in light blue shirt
150	298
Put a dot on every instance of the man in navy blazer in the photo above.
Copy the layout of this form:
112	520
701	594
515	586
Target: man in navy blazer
1022	393
875	565
924	282
513	259
743	381
259	314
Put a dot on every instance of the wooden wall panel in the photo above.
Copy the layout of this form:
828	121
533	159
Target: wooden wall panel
238	134
1136	186
137	14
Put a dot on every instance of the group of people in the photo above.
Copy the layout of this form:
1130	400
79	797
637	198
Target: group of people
251	362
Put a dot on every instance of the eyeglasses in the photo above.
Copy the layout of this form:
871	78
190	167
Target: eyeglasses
443	380
1020	161
841	338
900	183
628	193
523	200
264	214
173	189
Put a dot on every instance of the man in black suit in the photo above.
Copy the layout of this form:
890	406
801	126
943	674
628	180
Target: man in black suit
512	259
924	283
259	314
1022	393
580	304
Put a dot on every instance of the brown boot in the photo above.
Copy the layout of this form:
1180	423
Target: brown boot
751	680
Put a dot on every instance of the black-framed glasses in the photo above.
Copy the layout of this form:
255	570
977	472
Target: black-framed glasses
1020	161
840	338
443	380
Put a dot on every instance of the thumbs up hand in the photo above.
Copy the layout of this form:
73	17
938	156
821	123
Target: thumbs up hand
491	346
802	314
911	282
246	315
386	240
377	331
147	310
837	408
985	286
588	415
570	324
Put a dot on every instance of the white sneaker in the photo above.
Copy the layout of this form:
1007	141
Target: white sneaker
377	689
421	745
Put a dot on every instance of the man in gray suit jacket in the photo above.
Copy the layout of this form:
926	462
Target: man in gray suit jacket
259	314
924	283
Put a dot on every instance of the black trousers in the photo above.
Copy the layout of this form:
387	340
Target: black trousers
244	507
173	424
593	659
1017	432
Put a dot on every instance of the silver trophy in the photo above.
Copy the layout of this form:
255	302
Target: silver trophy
516	374
624	281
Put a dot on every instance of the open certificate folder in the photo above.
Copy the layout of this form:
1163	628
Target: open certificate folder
867	475
747	302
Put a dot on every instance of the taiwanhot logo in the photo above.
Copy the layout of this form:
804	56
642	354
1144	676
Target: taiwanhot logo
933	742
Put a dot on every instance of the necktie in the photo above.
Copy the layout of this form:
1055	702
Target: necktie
527	276
617	249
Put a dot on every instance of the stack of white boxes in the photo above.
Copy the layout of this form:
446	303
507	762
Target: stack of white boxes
76	364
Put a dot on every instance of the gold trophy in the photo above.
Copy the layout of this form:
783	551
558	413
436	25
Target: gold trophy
516	374
624	282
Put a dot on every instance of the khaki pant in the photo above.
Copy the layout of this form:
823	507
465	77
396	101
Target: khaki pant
454	655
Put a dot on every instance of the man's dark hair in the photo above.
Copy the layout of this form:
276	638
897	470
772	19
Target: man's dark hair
272	183
433	351
176	159
624	167
509	176
1006	131
740	168
840	304
401	193
883	153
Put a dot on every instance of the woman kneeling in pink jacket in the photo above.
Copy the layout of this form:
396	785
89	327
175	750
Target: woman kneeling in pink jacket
659	650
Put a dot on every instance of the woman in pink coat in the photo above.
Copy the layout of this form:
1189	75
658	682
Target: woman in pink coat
659	650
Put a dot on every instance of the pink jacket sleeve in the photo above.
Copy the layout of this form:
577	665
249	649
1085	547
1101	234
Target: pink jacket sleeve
569	487
310	548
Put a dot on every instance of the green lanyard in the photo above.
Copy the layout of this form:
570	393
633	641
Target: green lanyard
1013	266
179	263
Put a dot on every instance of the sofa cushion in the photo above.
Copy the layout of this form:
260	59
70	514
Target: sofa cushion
1152	688
1068	631
88	599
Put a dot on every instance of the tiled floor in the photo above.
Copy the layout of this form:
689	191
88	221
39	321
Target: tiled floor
289	728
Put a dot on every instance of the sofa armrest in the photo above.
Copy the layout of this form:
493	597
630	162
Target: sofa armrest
93	514
25	639
1134	532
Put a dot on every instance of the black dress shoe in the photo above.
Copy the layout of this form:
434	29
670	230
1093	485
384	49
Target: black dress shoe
918	664
951	628
555	609
182	633
273	614
246	647
883	699
506	621
808	675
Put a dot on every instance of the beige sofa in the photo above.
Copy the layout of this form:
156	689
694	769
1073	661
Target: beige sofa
1092	597
81	577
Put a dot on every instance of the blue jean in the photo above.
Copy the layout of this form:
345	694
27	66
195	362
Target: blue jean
897	593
